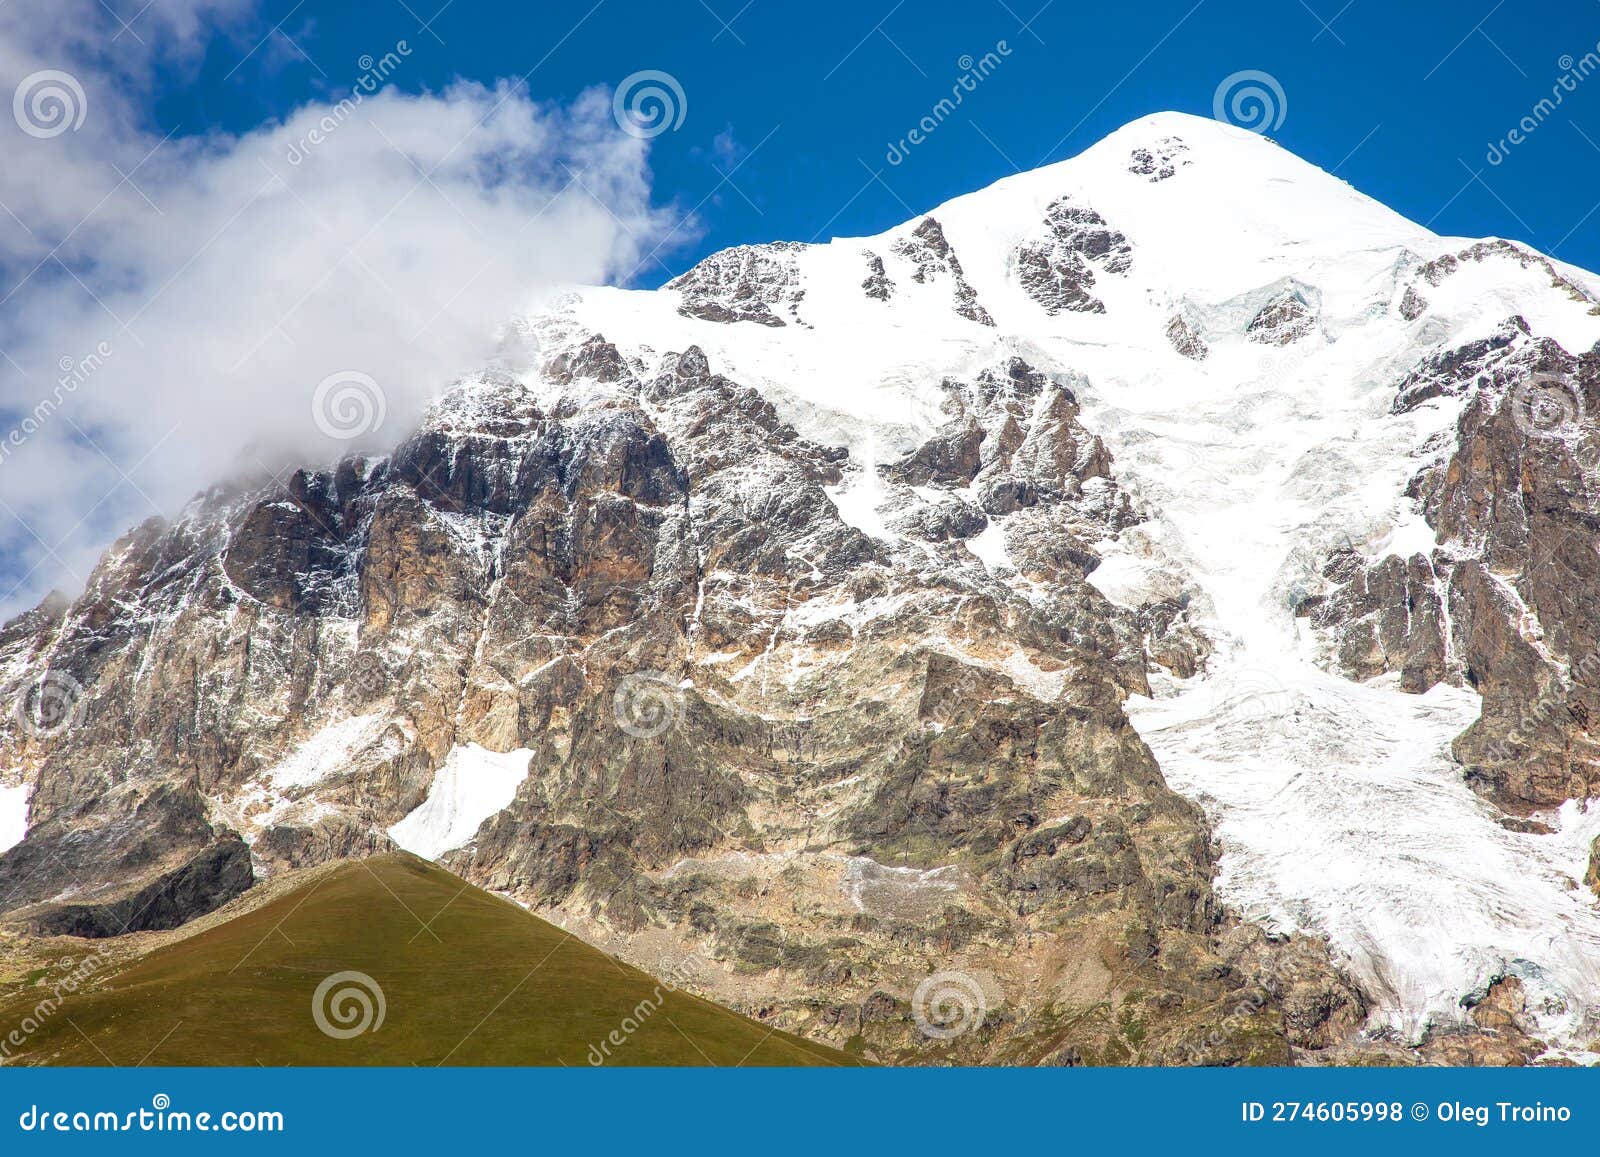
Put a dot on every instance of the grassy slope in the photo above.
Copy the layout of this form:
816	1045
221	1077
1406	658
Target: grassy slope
468	979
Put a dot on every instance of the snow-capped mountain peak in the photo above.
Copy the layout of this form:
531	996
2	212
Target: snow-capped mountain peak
1235	323
810	611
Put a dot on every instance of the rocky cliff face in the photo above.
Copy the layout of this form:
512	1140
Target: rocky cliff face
1504	603
841	619
751	731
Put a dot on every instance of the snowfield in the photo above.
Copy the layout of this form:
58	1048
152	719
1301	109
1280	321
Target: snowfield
1340	813
1337	805
474	784
13	815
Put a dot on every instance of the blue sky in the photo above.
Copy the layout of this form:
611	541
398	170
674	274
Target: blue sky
1404	99
203	271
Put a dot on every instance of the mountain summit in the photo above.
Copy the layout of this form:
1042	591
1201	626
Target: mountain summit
1145	606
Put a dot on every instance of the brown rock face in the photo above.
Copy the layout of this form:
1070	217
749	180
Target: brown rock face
836	767
213	876
1284	320
1057	270
142	858
1451	372
757	283
1506	602
933	259
1185	340
1388	616
1517	488
1501	1038
595	359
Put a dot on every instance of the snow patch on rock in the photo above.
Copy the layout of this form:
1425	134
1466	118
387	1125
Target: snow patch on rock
13	815
326	753
473	784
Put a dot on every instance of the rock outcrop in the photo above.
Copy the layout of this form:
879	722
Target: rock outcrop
832	764
1160	161
1057	270
933	260
1505	602
756	283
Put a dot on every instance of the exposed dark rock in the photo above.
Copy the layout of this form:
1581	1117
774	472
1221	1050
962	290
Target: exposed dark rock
753	731
1436	271
215	875
320	840
1171	640
1159	162
1387	616
951	520
1451	372
99	845
758	283
596	359
1056	270
950	457
1505	604
1185	340
933	258
1282	321
1517	489
878	284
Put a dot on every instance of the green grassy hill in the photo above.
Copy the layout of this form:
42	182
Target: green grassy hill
466	979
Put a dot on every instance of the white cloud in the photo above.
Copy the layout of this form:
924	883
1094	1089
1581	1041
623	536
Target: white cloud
202	298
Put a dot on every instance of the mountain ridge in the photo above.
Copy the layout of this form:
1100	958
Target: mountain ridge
856	608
